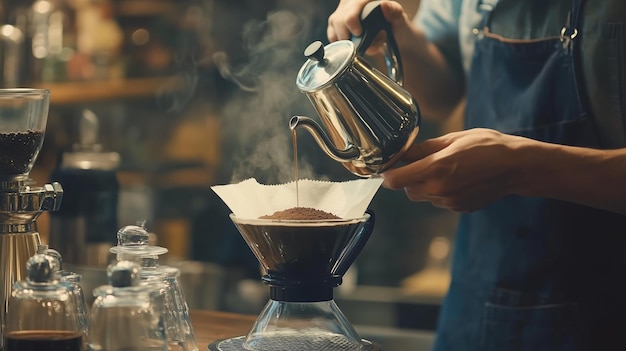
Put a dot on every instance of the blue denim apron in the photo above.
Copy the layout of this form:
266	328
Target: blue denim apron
533	273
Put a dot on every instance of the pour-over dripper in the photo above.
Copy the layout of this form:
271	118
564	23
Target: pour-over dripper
303	261
23	118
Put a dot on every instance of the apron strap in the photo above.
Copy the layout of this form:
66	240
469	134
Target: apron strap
570	31
486	5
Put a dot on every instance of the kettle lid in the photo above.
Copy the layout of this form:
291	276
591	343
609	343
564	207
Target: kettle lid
324	64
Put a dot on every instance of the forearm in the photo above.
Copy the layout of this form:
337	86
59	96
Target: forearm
428	76
586	176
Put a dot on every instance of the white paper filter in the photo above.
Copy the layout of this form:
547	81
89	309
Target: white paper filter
250	200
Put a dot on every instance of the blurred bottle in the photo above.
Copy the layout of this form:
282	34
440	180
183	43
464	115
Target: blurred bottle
99	42
14	48
83	230
11	55
59	40
52	39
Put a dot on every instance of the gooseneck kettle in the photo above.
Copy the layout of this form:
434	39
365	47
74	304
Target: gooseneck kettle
370	119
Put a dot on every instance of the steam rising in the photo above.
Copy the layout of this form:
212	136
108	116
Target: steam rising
256	118
176	93
257	140
221	62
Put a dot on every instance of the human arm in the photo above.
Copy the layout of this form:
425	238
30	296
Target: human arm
429	76
465	171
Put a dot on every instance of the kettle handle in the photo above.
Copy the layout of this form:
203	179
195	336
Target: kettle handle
373	21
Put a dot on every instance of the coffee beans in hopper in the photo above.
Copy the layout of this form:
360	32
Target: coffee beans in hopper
17	150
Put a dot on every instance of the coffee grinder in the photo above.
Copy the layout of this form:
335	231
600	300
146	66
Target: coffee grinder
303	261
23	118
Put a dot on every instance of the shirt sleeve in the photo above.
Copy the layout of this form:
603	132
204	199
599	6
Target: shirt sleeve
439	20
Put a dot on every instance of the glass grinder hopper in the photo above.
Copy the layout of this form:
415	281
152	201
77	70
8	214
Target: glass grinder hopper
303	261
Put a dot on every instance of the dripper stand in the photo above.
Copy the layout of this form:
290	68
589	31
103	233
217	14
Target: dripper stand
303	260
23	118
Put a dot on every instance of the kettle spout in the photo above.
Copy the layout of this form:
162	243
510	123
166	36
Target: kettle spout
351	152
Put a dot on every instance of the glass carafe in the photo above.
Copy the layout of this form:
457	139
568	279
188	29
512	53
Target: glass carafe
72	279
124	315
42	315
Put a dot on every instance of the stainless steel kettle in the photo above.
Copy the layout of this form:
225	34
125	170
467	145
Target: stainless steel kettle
371	120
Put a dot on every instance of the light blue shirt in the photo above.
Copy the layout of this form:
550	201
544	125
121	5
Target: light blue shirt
450	24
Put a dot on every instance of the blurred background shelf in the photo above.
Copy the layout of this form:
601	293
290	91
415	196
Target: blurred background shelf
66	93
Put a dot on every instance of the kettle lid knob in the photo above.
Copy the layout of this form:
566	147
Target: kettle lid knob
315	51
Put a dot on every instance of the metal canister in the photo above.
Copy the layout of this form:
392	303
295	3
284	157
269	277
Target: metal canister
84	228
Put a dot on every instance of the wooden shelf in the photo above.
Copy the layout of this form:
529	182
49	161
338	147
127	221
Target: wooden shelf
144	8
97	91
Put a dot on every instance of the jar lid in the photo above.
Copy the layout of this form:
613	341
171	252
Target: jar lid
46	250
42	268
324	64
124	288
133	240
123	274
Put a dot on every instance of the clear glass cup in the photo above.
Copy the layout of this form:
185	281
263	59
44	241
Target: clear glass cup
73	280
171	276
23	119
42	313
133	244
124	315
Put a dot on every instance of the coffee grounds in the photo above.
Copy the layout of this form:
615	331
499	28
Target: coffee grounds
301	213
17	150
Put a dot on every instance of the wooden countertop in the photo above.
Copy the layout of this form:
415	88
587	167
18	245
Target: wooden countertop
209	326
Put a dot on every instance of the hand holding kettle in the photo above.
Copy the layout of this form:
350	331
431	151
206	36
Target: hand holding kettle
370	119
345	22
